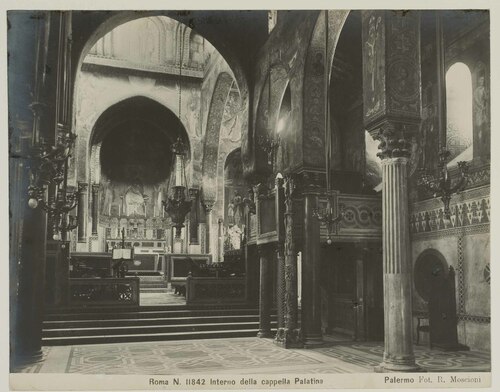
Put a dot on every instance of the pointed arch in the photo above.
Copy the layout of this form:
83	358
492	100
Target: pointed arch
212	135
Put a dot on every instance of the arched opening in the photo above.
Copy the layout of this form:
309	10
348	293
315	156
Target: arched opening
352	161
459	108
435	283
131	145
351	275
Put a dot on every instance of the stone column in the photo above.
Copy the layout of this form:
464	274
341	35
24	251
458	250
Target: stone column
95	207
280	257
250	259
311	268
266	296
292	333
82	212
398	339
35	45
30	305
392	102
194	194
209	205
280	294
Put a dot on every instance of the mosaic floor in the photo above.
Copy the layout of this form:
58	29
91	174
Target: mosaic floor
239	356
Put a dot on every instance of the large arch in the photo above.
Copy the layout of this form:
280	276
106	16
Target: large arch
267	111
149	111
100	23
212	135
313	124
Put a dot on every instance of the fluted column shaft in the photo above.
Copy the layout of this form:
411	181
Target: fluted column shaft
265	297
398	352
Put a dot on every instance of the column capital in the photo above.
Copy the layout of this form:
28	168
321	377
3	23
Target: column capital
208	205
82	186
95	187
310	182
396	140
194	192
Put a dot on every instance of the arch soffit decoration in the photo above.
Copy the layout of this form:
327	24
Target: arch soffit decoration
313	126
123	99
212	135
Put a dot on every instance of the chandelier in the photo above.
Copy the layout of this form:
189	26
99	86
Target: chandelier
269	144
441	185
178	203
328	215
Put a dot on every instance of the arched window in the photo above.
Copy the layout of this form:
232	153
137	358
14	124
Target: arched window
459	113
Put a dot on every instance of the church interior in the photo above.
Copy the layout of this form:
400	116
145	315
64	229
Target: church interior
288	190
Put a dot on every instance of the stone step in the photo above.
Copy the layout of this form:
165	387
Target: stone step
51	325
150	329
153	285
147	312
150	337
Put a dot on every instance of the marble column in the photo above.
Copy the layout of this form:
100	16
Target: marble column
292	334
392	107
82	211
31	290
280	294
311	271
35	41
265	294
397	264
249	251
95	207
280	257
209	230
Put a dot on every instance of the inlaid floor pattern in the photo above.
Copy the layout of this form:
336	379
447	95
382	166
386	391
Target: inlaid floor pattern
240	356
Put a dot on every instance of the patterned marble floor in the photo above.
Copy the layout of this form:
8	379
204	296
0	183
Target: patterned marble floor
239	356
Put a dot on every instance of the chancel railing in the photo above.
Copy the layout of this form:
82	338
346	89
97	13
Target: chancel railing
107	291
213	290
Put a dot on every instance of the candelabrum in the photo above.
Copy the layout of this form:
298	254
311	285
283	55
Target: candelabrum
330	217
270	146
48	166
177	206
441	185
58	208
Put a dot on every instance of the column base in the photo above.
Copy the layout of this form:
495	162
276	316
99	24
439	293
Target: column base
25	359
264	334
313	341
288	338
392	364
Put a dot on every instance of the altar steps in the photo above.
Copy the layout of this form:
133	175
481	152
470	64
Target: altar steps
90	326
